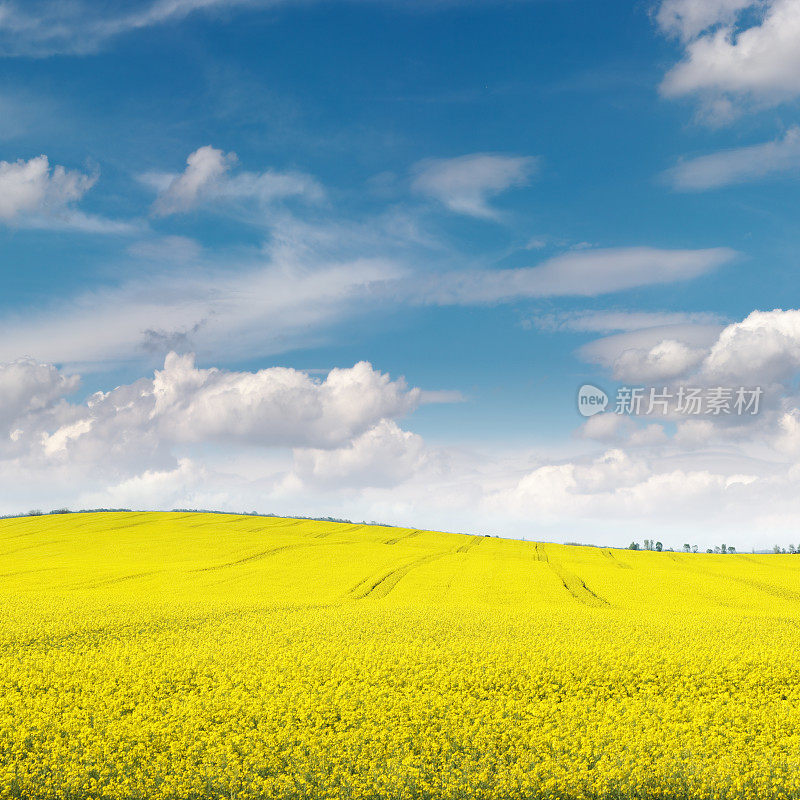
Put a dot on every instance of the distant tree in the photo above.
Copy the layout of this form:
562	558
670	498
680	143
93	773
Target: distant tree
687	548
659	546
709	550
35	512
776	549
731	549
694	548
633	546
724	548
717	549
791	549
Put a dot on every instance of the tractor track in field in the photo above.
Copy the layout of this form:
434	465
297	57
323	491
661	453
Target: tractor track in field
370	587
577	588
539	553
121	579
254	557
474	541
348	529
397	539
31	547
569	580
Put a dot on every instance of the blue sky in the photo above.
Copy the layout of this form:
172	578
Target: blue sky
494	202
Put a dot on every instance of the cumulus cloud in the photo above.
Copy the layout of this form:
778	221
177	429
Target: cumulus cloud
143	425
762	348
27	387
289	443
31	187
467	183
34	195
738	165
276	406
624	490
666	360
607	426
655	353
736	53
385	455
207	179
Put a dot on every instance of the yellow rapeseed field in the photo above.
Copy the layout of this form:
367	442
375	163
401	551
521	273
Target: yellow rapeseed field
172	655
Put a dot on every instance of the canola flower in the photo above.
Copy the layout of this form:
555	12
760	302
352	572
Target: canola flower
185	656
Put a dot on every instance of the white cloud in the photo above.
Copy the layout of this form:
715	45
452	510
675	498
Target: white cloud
781	157
761	349
46	27
608	321
27	387
34	195
585	273
736	54
648	436
277	406
259	309
206	179
385	455
31	187
787	438
216	439
764	348
653	353
143	424
687	19
186	485
607	426
465	184
664	361
264	306
692	433
204	168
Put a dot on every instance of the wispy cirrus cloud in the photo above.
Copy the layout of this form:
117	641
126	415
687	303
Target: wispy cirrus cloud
261	309
43	28
608	321
47	27
583	273
465	184
738	165
290	296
